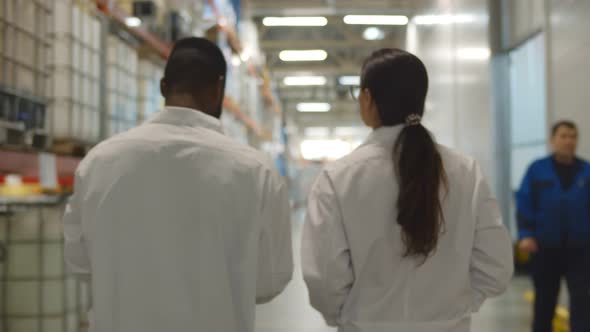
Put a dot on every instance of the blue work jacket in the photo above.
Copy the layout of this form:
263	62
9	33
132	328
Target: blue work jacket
554	216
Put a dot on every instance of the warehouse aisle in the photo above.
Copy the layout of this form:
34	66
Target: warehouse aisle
292	313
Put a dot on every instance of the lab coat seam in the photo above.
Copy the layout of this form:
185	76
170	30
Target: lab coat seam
346	237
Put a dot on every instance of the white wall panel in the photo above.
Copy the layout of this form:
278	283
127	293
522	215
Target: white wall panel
459	101
569	70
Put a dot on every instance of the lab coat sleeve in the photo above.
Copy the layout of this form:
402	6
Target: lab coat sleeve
326	260
492	263
75	249
275	251
525	207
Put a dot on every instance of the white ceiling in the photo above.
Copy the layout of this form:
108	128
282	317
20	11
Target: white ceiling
344	43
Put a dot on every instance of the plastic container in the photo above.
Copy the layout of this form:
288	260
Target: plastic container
122	85
24	45
149	96
74	108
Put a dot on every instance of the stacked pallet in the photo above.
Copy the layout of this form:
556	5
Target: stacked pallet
150	99
23	69
122	83
24	45
36	294
75	73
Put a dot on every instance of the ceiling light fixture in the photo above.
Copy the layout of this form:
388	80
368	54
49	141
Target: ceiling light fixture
314	107
295	21
308	55
349	80
474	53
133	21
376	19
305	80
443	19
373	33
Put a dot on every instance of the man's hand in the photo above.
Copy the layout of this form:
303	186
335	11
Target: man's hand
528	245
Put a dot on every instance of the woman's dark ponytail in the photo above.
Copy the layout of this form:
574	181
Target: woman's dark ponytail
398	83
421	176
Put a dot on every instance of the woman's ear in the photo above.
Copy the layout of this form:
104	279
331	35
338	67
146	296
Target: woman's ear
374	119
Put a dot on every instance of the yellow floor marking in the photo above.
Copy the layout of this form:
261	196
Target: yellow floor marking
562	314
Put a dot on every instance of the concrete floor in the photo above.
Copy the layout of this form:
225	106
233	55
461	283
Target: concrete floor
291	312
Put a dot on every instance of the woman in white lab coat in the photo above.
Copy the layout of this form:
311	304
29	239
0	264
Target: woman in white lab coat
402	235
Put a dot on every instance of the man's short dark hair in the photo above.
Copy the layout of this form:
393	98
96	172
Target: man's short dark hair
194	64
561	124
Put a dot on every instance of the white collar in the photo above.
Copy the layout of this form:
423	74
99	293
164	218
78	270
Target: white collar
384	135
182	116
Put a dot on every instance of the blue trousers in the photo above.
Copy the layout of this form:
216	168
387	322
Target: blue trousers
549	267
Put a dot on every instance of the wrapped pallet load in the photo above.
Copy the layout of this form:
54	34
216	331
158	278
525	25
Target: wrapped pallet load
36	292
24	45
24	48
149	97
75	73
122	63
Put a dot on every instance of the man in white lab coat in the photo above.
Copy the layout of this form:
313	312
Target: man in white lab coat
178	227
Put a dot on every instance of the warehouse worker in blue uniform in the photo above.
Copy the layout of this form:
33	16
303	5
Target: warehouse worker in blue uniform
554	226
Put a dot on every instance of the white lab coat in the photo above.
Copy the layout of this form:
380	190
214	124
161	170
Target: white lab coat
352	247
179	228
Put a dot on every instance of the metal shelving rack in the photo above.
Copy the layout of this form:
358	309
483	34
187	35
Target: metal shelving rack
37	296
23	73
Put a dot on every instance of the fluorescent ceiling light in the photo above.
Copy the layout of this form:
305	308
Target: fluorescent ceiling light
443	19
376	19
350	80
474	53
324	149
373	33
305	80
308	55
133	22
295	21
314	107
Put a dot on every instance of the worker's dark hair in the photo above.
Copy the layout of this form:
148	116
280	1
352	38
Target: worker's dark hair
560	124
398	83
194	64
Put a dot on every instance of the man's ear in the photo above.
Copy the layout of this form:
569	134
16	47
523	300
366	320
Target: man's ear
163	88
220	91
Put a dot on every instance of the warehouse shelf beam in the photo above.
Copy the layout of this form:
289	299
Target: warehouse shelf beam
26	164
232	106
119	15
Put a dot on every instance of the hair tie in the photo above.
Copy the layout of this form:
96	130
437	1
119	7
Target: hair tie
413	120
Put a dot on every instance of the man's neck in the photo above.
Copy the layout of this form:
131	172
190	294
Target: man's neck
191	106
565	160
